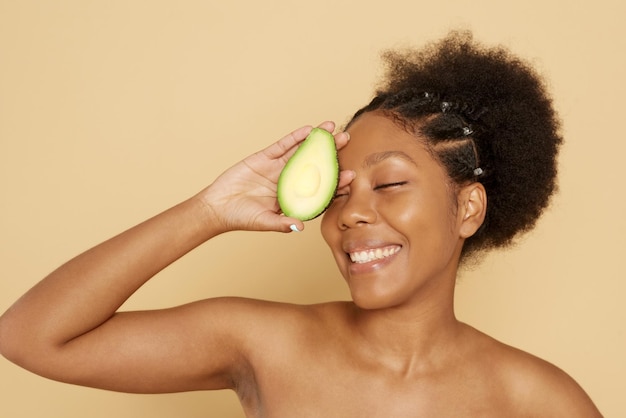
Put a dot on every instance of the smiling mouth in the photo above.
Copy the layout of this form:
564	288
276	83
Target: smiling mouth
373	254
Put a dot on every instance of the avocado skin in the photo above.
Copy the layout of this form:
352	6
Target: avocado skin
320	150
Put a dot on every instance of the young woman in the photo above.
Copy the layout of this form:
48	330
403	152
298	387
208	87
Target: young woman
456	154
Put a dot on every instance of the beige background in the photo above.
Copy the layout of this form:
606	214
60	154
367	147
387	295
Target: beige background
111	111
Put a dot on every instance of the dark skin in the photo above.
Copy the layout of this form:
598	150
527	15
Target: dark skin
397	349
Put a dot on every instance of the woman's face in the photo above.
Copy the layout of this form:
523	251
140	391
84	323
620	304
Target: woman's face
393	230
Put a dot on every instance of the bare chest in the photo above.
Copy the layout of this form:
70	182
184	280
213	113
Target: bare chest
332	390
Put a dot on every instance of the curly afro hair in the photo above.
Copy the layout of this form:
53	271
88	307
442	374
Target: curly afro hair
487	116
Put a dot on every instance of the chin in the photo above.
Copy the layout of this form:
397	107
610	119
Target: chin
371	302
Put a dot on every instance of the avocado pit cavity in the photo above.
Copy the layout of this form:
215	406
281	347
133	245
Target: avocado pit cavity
308	181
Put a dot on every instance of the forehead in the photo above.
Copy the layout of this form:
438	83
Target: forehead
374	138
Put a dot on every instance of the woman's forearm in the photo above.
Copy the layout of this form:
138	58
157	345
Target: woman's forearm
86	291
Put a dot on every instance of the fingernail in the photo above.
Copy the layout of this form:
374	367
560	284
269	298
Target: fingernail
294	228
347	134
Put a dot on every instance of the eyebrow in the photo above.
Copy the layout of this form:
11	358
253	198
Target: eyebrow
379	157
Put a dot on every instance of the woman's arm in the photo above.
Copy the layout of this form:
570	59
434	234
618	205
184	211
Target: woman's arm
67	327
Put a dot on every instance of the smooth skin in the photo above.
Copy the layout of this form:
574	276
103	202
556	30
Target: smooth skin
397	350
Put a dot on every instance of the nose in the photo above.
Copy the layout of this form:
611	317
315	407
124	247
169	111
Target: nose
358	209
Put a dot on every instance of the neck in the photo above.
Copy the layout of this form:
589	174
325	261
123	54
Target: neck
421	332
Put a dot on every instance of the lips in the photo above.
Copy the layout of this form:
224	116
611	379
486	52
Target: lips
373	254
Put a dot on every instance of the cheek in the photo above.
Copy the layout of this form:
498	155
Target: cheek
328	226
424	221
332	236
402	210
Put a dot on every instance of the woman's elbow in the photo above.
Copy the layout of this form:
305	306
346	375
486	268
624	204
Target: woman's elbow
16	342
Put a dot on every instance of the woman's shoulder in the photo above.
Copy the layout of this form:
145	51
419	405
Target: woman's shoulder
532	384
256	319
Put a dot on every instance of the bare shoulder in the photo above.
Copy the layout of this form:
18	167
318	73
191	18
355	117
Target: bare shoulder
266	328
270	336
537	387
258	313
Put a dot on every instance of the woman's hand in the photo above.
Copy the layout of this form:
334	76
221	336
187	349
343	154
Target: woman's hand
244	196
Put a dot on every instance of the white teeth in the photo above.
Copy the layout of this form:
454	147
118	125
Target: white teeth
373	254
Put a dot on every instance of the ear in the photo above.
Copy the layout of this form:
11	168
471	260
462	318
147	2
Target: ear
472	209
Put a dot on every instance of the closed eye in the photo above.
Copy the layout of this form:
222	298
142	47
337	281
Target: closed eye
390	185
344	192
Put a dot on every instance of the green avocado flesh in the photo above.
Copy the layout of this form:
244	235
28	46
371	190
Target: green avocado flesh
308	182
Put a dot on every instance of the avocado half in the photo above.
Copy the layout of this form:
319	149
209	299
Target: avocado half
308	182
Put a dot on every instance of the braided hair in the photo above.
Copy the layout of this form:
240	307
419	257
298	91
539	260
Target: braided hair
486	116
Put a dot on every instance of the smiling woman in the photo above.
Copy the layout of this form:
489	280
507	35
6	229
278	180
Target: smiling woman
399	200
454	155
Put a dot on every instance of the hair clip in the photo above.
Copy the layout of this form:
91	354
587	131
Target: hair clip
445	106
478	171
467	131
